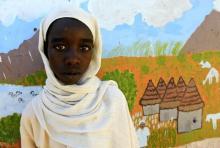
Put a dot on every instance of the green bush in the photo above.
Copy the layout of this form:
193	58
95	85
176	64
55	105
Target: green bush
208	55
145	69
9	128
162	138
126	83
38	78
181	57
161	60
31	80
197	57
204	56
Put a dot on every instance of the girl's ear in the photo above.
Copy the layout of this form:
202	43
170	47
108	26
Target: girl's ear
45	49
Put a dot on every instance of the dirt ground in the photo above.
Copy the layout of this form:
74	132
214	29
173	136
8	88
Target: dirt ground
207	143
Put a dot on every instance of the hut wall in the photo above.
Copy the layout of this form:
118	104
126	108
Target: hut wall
151	109
168	114
188	121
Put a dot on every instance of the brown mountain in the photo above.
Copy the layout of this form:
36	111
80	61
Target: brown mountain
207	35
20	62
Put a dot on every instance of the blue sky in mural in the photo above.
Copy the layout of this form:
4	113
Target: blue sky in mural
11	37
178	30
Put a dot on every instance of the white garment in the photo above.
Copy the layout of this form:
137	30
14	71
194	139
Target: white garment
89	114
116	129
143	135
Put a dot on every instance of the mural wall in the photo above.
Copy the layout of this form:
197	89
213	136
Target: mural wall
164	54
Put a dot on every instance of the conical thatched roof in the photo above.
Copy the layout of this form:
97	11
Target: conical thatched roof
170	99
191	99
151	95
181	88
161	87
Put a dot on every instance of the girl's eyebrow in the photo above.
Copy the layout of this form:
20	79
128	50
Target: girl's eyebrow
87	40
57	40
63	40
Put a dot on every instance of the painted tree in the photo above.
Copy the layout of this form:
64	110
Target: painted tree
126	84
9	128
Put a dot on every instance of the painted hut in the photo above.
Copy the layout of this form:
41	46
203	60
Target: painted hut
170	102
150	100
161	87
190	109
181	88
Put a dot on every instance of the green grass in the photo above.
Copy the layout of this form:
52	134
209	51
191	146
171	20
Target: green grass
160	48
9	128
146	48
176	48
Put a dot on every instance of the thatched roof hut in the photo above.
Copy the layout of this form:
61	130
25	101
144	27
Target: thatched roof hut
170	99
161	87
151	95
181	88
191	100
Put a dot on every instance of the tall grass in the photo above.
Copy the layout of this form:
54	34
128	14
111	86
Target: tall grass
162	134
160	48
147	48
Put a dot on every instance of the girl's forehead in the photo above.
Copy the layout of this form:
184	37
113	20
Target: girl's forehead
68	23
63	25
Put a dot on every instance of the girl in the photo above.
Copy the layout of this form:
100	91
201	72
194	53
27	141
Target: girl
75	108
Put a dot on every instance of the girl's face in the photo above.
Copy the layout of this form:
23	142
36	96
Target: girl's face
69	46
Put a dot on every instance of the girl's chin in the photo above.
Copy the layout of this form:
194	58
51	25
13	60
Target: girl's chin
70	79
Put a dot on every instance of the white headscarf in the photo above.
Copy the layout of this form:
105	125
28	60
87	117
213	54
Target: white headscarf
91	23
69	113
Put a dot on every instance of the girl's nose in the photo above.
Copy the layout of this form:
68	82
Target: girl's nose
72	58
72	61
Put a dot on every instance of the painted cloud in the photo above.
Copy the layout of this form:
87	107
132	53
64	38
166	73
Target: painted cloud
109	12
216	4
28	10
156	13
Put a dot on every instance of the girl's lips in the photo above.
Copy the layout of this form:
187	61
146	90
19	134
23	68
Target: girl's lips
72	73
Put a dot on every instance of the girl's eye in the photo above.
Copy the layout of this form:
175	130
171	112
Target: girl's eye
60	47
85	48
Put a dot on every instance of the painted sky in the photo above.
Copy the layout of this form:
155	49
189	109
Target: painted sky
122	22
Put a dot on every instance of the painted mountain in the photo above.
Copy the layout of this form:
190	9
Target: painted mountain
206	36
20	62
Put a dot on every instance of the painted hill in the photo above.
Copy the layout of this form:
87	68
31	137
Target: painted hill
20	62
207	35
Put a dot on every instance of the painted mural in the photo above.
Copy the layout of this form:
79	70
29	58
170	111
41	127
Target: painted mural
164	55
